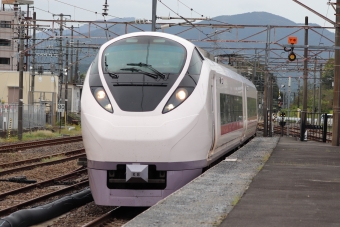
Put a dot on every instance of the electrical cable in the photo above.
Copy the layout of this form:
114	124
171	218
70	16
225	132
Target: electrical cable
84	9
188	22
324	26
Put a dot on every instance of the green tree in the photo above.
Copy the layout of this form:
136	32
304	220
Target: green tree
328	74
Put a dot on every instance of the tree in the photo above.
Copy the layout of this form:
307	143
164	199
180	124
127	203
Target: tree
328	74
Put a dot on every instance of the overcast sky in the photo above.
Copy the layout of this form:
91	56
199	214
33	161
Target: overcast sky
210	8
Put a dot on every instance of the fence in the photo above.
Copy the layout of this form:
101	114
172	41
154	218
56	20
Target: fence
318	126
34	116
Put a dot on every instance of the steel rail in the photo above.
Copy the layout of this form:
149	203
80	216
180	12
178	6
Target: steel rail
40	164
42	183
5	165
33	144
102	219
16	207
126	213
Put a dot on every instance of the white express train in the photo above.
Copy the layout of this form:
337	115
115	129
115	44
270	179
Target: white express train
155	112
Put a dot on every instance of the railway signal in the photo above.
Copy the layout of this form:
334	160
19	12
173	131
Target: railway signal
292	40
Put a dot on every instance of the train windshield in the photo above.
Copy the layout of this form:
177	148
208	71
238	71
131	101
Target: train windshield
144	53
141	70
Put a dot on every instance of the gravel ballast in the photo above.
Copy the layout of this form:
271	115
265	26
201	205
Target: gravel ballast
208	199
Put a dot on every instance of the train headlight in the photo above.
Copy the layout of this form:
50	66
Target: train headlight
101	97
179	96
100	94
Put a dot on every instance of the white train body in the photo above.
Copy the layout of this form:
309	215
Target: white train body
143	141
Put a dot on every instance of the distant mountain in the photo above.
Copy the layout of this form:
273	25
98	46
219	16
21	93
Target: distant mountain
254	18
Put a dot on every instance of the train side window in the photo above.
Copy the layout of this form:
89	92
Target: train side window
195	65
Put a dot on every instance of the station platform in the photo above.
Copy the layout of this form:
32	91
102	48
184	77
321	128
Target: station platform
298	186
268	182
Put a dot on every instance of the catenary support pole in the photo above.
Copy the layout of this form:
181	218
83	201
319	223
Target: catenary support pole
265	93
154	16
336	99
305	74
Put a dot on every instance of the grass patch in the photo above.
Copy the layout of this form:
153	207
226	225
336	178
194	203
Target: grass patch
260	167
52	158
45	134
266	157
235	201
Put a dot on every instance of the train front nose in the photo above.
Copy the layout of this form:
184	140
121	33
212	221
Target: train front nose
134	165
139	139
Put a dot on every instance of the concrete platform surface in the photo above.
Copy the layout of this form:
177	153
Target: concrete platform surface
298	186
210	197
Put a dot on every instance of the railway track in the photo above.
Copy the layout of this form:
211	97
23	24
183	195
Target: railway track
41	143
45	183
117	216
70	155
60	192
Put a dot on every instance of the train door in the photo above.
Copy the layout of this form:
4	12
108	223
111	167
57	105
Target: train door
213	113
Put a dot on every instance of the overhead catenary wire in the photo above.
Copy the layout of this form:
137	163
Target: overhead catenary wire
184	19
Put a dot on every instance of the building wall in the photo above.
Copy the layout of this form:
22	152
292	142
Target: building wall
8	52
43	83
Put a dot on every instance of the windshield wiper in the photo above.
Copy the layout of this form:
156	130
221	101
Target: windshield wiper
191	77
132	69
111	74
140	64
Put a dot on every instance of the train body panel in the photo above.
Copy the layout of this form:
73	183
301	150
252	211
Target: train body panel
150	127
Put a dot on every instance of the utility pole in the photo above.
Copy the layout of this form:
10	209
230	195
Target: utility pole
320	77
336	99
319	101
66	79
255	64
72	45
60	56
21	79
270	102
299	92
154	16
288	101
314	92
76	79
33	57
305	74
265	93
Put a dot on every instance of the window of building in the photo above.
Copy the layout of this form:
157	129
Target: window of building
5	24
5	42
4	61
